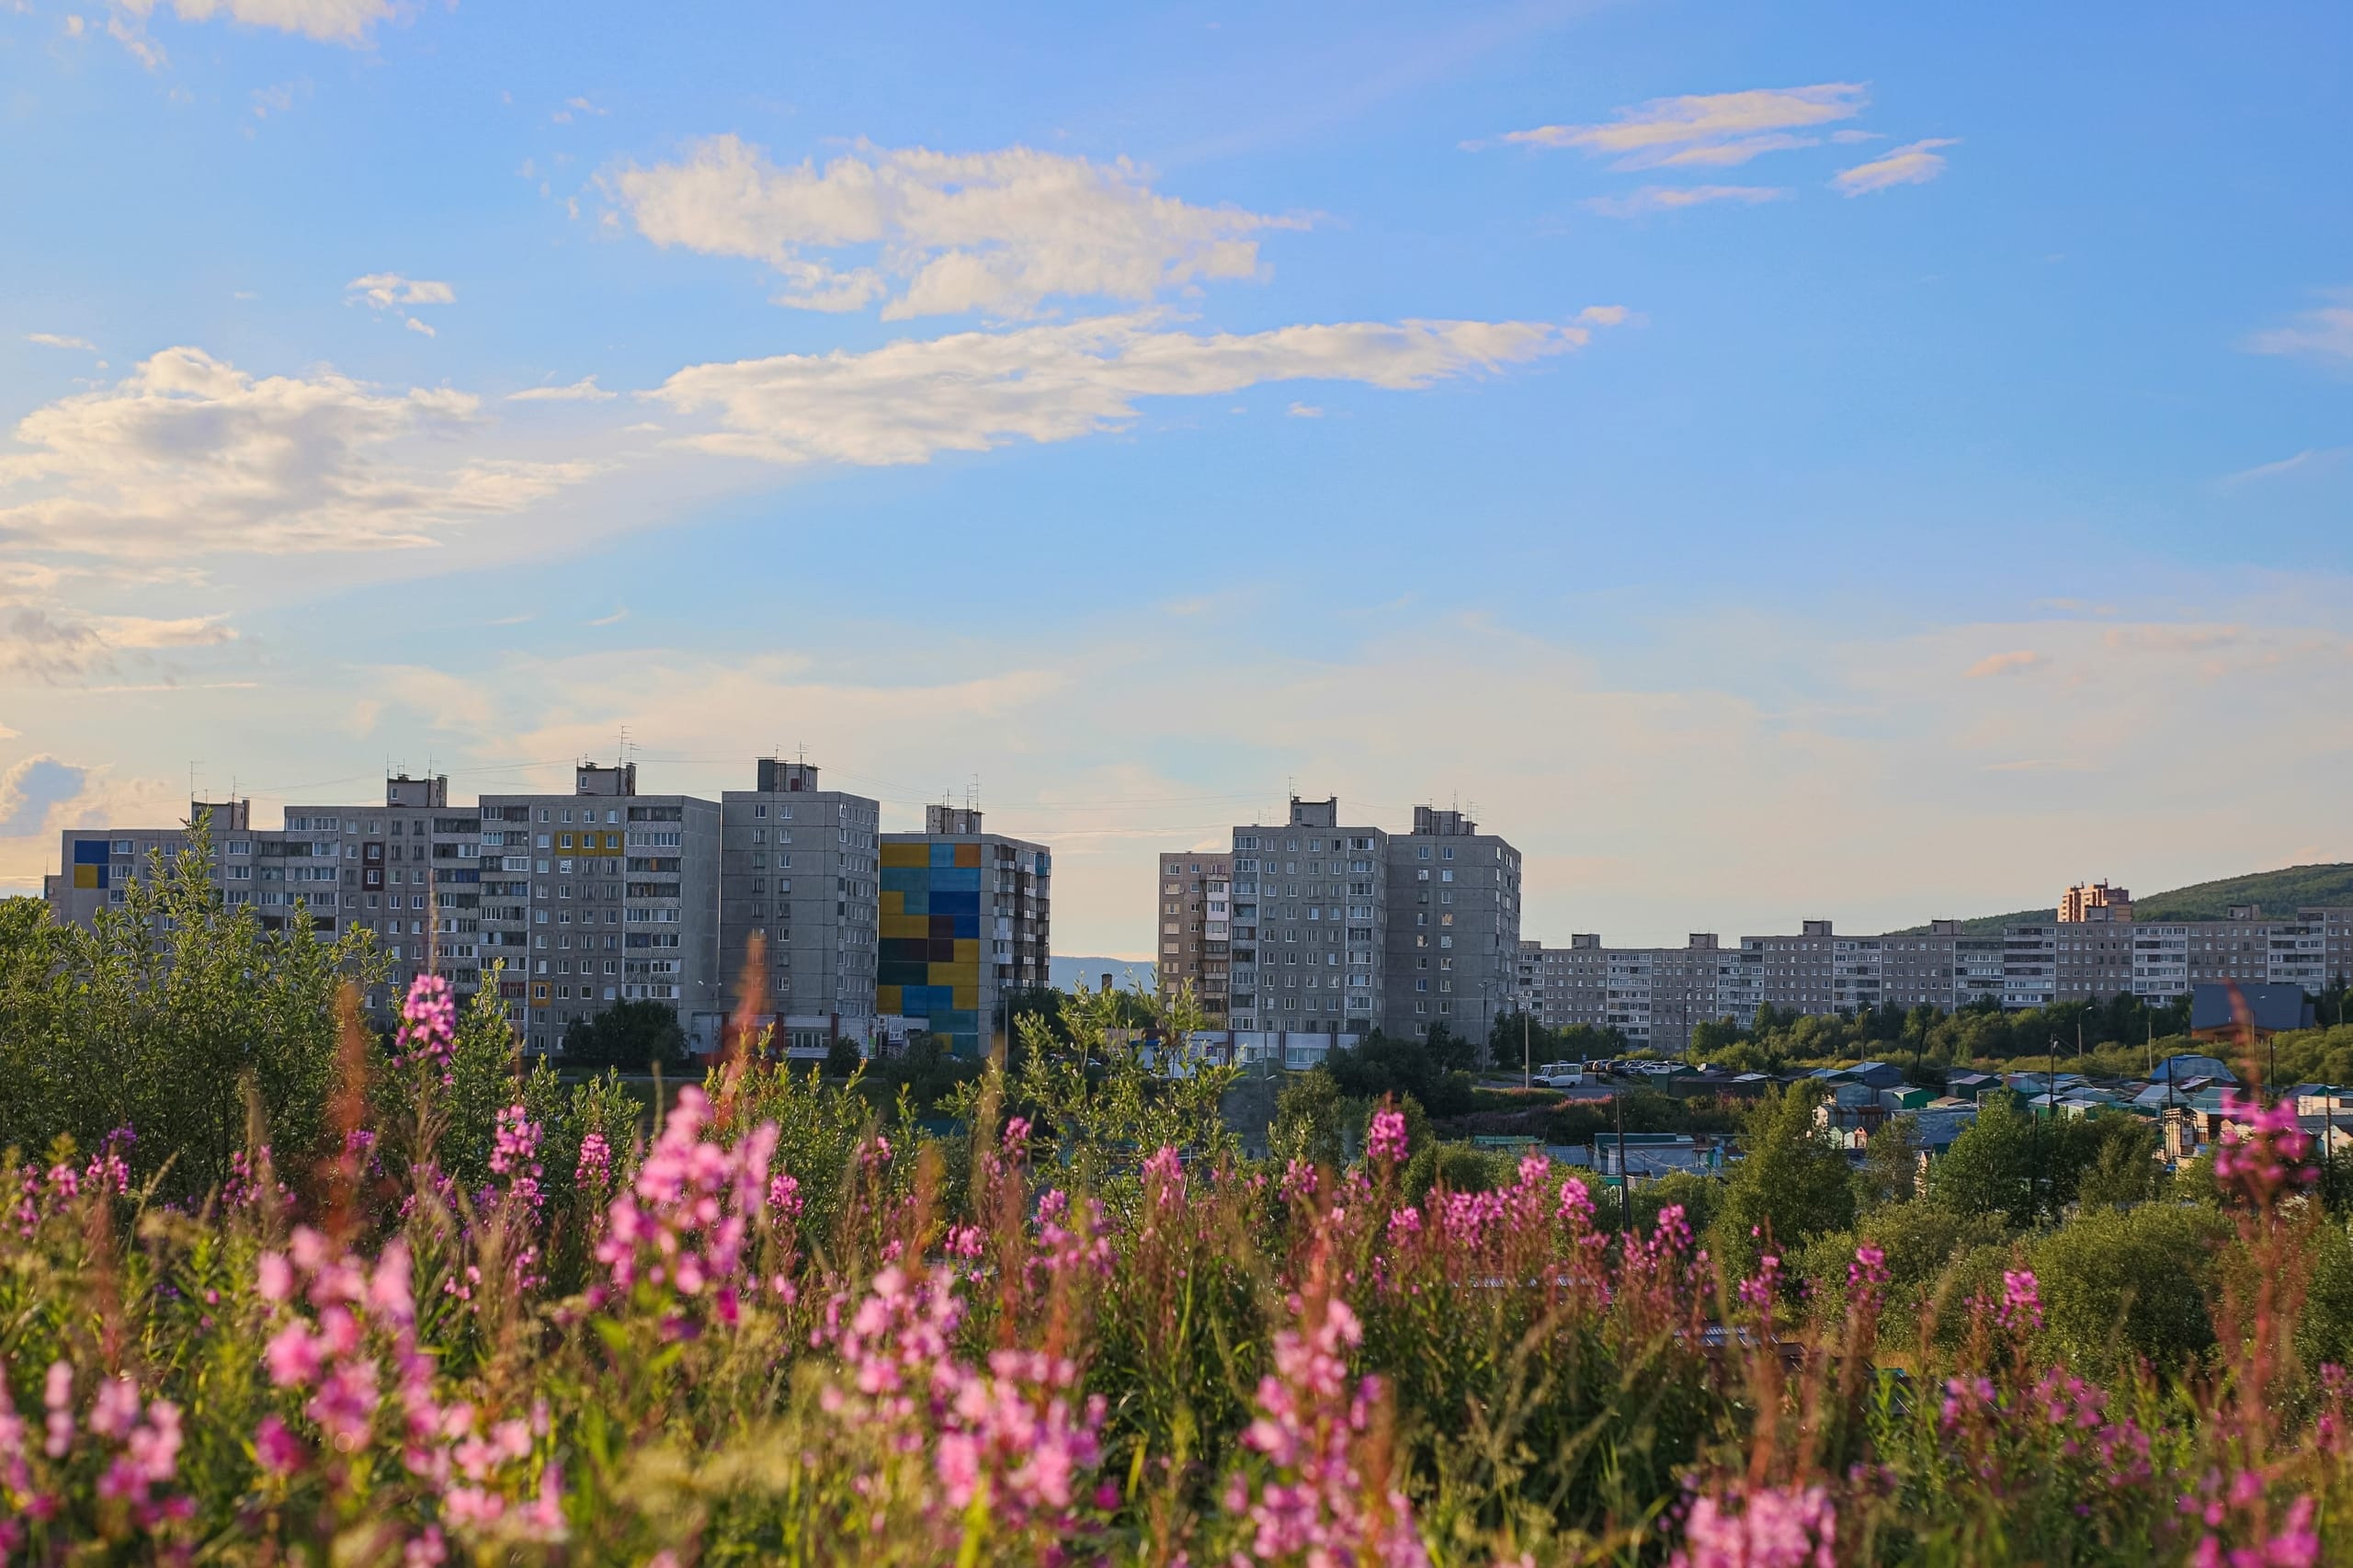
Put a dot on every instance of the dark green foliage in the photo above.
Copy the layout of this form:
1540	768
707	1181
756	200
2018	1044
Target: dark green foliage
1308	1116
842	1058
158	1016
635	1037
1380	1065
1790	1184
2119	1284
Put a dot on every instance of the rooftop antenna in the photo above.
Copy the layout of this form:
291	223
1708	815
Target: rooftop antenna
973	792
193	768
800	752
624	752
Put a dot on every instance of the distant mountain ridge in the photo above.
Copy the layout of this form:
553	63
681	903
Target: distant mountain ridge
2279	893
1071	973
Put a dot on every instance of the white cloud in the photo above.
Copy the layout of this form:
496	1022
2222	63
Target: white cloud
415	325
328	21
939	233
2322	333
189	455
2312	459
1304	410
1674	198
2017	662
61	647
1715	129
1915	163
55	340
969	391
385	290
586	389
571	106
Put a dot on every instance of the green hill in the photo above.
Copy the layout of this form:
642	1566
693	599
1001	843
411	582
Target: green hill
2279	892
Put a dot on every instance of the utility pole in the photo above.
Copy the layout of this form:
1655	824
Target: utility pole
1625	1182
1526	1071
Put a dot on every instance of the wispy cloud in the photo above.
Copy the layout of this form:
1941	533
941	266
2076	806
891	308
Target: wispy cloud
586	389
575	107
385	290
935	234
613	619
910	401
2311	459
1915	163
1674	198
328	21
1304	410
2322	333
2017	662
1710	130
56	340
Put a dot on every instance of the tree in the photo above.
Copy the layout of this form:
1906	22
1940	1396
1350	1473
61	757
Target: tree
160	1014
1989	1166
842	1057
2124	1166
1890	1171
635	1037
1307	1119
1792	1182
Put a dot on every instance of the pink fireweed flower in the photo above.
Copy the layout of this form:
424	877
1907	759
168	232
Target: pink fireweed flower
57	1396
1163	1176
1770	1527
1314	1503
686	1222
1866	1273
2021	1300
276	1449
514	1155
428	1028
1759	1289
784	1196
1385	1144
2263	1148
594	1168
1016	1139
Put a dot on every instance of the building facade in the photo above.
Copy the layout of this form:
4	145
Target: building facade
1196	925
801	868
606	895
964	924
1452	925
1311	911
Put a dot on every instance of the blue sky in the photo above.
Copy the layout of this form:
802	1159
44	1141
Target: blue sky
1770	461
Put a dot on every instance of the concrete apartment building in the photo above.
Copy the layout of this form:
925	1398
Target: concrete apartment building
1652	995
1310	924
2084	902
964	923
1196	901
608	895
802	866
1453	925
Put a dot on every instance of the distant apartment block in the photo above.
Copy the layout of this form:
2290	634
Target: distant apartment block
1196	899
1453	925
1654	995
577	901
611	896
1342	928
964	924
801	868
2086	902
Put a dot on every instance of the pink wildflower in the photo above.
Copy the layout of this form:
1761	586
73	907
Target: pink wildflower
1386	1143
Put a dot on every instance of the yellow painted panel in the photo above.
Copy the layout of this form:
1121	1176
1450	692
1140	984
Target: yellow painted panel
968	951
907	925
966	997
886	999
906	855
894	902
953	974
